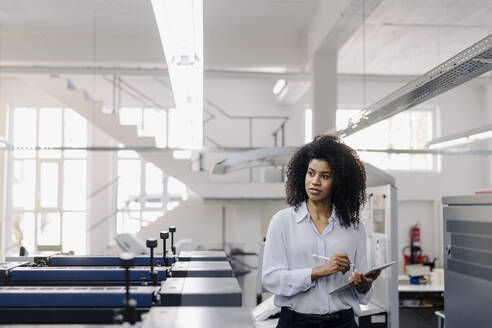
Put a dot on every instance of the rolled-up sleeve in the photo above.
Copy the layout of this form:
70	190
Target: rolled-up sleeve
276	276
361	265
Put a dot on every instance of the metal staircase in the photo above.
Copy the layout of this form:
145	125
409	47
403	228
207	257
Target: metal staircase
65	92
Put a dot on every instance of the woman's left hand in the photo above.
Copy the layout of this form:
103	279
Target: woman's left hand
361	282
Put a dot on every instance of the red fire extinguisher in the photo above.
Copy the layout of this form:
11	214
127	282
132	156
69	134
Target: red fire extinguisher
415	255
415	236
415	249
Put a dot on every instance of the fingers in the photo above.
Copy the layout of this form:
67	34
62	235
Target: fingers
342	261
356	278
363	278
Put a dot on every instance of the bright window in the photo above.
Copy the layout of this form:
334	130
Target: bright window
49	188
411	129
144	193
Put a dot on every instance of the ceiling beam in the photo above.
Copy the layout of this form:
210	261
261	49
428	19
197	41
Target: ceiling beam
335	22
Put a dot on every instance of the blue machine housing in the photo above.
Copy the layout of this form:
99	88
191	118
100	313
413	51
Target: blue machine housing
101	260
73	296
83	274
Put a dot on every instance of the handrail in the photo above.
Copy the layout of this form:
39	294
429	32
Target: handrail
140	93
141	97
136	94
240	117
212	141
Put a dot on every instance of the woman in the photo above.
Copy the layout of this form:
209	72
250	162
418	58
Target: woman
325	187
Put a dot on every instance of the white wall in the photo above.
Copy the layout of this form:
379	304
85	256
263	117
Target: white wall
421	213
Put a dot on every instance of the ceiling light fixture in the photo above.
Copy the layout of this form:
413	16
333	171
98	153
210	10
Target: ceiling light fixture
482	133
180	24
279	86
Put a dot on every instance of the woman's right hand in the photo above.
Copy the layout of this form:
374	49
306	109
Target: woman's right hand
338	262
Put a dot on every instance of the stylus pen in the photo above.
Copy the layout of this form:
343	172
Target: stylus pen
321	257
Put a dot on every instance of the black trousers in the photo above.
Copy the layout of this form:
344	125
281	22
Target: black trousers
292	319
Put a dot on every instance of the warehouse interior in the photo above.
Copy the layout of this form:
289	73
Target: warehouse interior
123	118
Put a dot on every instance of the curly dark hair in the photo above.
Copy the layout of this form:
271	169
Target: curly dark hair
348	171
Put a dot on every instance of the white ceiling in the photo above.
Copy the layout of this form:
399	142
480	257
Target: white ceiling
256	34
401	36
77	17
409	37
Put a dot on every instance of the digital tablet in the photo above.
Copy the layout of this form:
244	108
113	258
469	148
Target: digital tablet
368	273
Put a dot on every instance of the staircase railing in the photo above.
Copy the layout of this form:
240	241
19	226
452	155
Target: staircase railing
249	118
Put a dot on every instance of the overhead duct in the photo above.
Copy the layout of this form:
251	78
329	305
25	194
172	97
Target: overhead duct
466	65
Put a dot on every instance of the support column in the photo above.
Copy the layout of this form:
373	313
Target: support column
245	232
324	89
101	202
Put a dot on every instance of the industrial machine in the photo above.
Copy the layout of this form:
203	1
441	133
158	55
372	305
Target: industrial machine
91	289
379	217
107	260
202	256
77	304
108	304
186	316
468	260
103	270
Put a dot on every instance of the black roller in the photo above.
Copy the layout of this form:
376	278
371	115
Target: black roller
172	230
127	260
164	236
152	243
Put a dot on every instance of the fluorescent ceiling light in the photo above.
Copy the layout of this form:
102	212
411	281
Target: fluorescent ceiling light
279	86
482	133
180	24
308	125
449	143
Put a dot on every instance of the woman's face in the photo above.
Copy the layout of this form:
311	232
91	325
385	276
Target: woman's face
319	181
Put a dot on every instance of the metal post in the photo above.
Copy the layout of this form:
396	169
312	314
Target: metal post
250	145
119	94
283	134
223	226
127	285
114	94
167	128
